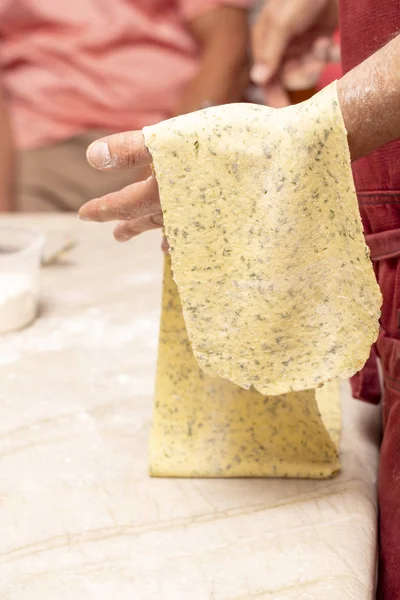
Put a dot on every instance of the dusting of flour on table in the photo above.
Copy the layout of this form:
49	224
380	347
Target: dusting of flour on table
18	301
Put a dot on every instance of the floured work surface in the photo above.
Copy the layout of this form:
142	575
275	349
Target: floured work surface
208	427
266	241
81	519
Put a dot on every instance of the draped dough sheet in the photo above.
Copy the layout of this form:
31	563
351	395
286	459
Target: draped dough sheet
266	240
208	427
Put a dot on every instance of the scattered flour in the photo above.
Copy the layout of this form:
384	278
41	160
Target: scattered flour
103	329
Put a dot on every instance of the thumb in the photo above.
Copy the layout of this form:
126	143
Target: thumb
270	38
119	151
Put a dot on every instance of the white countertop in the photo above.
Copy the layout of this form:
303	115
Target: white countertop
79	517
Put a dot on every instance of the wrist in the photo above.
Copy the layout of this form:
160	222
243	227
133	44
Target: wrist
350	109
369	98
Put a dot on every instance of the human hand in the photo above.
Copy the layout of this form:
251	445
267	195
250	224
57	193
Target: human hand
292	43
137	206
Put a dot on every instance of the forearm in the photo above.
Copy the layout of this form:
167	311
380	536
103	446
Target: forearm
6	160
222	77
369	97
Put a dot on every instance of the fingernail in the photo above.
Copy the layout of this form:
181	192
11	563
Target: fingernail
98	155
260	73
122	237
157	219
83	218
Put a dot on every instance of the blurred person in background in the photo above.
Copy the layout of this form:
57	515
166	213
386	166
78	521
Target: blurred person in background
298	27
75	70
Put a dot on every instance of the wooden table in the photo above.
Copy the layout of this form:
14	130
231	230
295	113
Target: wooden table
79	517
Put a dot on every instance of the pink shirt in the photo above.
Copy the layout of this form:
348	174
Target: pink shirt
73	65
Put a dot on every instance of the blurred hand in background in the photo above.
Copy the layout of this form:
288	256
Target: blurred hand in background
292	43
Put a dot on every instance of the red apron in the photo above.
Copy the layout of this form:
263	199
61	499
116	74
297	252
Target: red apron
366	25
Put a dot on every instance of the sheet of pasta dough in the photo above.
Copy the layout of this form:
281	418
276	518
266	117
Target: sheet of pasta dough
208	427
266	240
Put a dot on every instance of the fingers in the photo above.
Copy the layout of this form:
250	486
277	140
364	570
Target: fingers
165	245
275	94
132	202
321	48
126	230
282	22
302	74
334	53
119	151
270	37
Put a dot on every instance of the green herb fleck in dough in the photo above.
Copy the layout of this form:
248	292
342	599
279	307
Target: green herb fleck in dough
225	431
304	235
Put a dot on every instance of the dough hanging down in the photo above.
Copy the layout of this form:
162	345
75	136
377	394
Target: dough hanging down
208	427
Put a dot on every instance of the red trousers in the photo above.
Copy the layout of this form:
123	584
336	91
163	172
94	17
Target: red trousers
385	253
366	25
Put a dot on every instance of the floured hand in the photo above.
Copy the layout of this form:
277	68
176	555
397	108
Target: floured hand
137	206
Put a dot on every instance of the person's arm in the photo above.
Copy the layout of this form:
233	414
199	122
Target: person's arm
6	159
369	97
222	35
